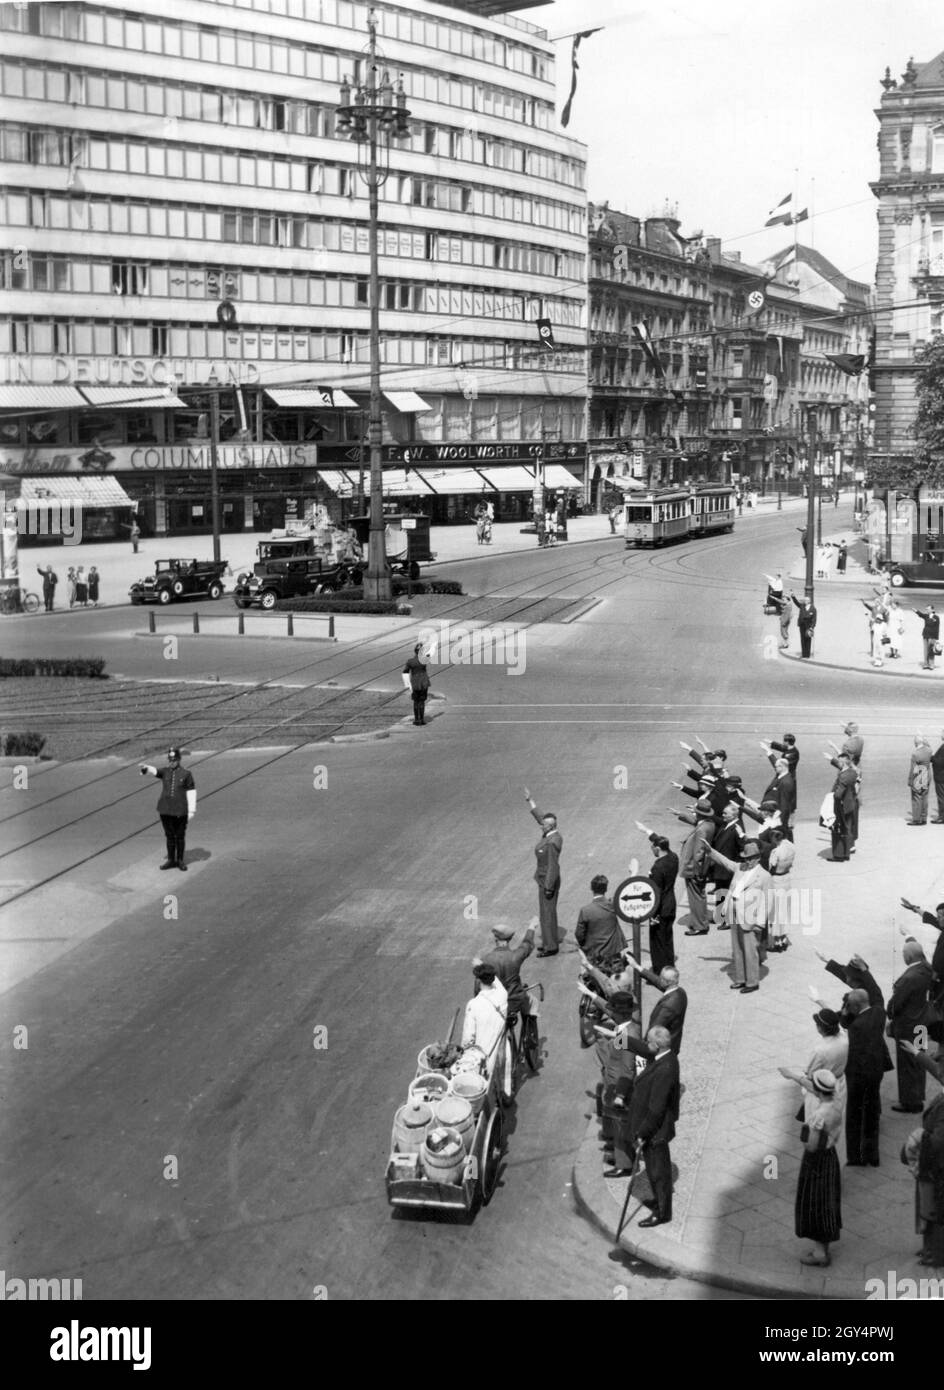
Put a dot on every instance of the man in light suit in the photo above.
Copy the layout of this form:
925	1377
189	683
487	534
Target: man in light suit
598	933
652	1114
669	1011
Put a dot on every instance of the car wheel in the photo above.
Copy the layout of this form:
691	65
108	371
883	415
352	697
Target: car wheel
164	596
898	579
268	598
215	591
178	587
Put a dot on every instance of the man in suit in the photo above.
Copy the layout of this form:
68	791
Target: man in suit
547	852
782	791
727	841
669	1011
867	1063
652	1114
507	963
694	862
664	871
906	1010
787	749
806	622
857	976
598	933
937	772
932	919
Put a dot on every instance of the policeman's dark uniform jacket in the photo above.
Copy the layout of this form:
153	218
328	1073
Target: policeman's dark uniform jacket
547	876
177	801
598	932
652	1114
507	962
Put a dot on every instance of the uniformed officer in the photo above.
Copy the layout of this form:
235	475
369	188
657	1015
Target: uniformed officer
177	805
547	851
507	962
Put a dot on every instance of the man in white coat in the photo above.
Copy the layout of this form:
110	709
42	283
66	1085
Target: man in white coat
485	1013
746	909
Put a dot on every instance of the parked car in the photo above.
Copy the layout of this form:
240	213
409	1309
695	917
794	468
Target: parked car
406	540
928	572
176	579
278	579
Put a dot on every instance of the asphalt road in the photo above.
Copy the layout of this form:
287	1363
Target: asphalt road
172	1132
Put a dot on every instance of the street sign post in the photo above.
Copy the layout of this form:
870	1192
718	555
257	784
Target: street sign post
635	900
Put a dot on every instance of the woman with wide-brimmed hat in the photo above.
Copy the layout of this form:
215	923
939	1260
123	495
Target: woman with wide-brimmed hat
818	1211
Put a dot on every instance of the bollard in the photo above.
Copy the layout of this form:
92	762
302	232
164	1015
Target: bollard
151	626
330	624
241	629
196	622
291	625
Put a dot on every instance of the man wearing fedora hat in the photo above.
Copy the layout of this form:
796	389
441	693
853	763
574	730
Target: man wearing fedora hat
176	807
694	861
746	911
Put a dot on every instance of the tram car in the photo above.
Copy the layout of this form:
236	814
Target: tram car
675	514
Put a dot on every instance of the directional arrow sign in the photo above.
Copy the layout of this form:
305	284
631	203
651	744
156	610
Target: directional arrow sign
636	899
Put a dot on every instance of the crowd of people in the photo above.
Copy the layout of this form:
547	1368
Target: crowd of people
736	849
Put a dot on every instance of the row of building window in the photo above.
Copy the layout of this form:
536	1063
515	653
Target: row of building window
247	169
116	216
237	107
236	47
46	273
171	102
97	338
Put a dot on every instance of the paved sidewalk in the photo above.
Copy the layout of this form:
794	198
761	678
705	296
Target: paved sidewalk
737	1150
842	629
120	567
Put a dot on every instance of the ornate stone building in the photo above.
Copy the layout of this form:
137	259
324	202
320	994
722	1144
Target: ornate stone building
743	351
909	284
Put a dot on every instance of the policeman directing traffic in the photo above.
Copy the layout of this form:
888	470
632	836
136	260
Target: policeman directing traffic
177	805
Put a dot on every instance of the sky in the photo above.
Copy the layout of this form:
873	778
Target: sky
725	107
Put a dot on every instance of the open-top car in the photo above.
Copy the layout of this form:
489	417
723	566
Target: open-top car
176	579
278	579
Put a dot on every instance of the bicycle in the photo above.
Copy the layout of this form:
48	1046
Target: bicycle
18	601
523	1042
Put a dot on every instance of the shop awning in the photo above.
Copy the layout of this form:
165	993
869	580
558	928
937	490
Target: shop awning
514	478
452	482
627	483
132	398
40	398
406	401
556	475
73	487
311	398
338	481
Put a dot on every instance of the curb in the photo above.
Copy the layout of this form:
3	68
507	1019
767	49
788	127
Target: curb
594	1203
855	671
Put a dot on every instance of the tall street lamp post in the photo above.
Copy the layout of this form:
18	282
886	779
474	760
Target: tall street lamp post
373	115
810	504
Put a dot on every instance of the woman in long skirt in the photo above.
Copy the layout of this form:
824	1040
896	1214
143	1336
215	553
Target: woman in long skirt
818	1212
81	587
93	580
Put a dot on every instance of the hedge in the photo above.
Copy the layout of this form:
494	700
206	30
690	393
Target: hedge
329	603
91	667
427	586
28	745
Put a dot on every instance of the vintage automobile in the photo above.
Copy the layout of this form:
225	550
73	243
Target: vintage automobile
927	572
406	540
176	579
293	578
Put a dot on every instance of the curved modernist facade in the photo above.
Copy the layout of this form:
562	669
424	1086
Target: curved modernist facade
160	157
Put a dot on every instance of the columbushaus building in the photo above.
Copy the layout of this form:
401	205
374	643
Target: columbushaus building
183	220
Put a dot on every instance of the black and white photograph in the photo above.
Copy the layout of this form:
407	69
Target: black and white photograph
471	576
